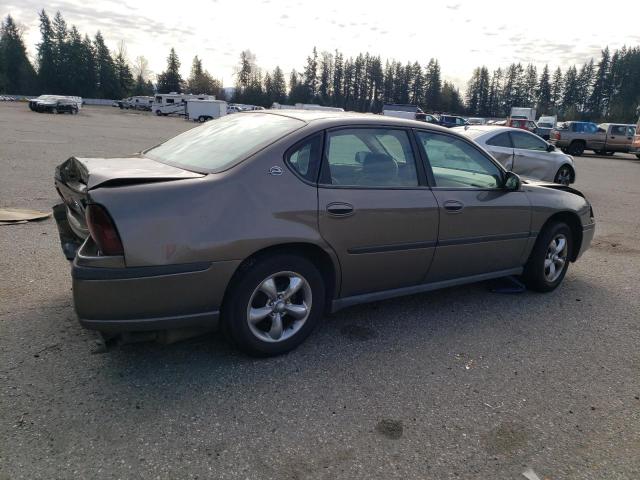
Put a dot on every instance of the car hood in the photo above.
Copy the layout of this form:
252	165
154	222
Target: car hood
89	173
554	186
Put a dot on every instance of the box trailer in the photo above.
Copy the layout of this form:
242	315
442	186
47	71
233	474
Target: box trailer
174	103
203	110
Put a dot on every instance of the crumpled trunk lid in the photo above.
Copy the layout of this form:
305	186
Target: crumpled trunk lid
76	177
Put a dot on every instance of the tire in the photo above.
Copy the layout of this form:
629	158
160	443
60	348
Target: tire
565	175
638	156
158	113
247	293
537	275
202	119
576	148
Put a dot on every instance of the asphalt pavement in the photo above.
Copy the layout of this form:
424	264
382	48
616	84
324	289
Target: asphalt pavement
457	383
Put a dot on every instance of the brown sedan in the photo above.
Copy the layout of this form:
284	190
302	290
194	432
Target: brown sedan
262	222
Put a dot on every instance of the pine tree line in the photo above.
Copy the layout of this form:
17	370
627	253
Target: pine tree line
360	84
69	63
608	90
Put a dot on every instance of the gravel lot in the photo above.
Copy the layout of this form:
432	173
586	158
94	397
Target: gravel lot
459	383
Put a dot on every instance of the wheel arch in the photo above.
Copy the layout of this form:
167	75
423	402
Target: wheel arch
573	221
571	167
326	263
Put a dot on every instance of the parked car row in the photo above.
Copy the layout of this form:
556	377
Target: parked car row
4	98
383	207
56	104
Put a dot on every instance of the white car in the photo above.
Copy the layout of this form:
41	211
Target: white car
523	152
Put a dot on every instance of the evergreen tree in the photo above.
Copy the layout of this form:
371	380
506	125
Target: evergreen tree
89	70
597	103
479	92
200	81
530	84
170	80
17	75
46	56
570	94
326	82
297	89
543	93
338	79
585	85
311	76
417	86
495	94
107	80
434	87
123	72
63	70
557	87
451	100
278	88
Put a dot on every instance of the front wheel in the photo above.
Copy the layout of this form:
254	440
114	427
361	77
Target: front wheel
576	148
549	259
638	156
564	175
158	113
274	304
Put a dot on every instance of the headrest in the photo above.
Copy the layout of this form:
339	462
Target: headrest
379	164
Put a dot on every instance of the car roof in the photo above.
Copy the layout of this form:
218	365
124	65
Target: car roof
328	119
478	131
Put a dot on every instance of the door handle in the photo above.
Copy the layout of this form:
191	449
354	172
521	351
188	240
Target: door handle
340	209
453	206
612	137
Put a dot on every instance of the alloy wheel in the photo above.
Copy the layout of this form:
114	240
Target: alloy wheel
556	258
279	306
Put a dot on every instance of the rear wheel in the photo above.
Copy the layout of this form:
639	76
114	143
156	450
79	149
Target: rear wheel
576	148
274	304
158	113
549	259
564	176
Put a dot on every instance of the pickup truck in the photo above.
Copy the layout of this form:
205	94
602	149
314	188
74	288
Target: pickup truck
607	138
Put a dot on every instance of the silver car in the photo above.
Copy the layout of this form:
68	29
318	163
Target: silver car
524	153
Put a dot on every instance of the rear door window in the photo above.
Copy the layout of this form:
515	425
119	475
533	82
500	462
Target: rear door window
369	157
500	140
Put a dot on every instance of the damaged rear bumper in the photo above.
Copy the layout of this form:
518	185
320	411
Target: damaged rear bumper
136	299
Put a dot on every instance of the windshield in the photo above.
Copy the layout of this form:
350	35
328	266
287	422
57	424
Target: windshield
221	143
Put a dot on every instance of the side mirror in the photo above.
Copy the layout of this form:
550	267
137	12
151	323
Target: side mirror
512	181
551	148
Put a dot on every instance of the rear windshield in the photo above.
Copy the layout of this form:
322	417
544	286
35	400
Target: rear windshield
219	144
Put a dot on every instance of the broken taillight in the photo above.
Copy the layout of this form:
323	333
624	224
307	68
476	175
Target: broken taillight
103	230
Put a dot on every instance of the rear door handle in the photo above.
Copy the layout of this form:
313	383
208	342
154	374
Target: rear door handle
453	206
340	209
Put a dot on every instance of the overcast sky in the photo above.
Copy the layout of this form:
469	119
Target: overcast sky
461	34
